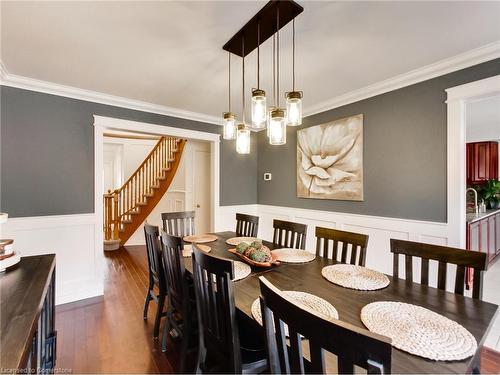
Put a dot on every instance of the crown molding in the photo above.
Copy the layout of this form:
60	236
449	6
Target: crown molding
473	57
12	80
476	56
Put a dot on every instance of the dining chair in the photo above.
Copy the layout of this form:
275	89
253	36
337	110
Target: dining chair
247	225
289	234
328	241
351	345
444	256
178	224
156	275
181	310
218	325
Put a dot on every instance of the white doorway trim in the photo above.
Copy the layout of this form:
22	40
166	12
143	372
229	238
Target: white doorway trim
103	124
457	98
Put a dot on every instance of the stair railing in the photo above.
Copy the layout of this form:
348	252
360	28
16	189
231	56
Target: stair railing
121	204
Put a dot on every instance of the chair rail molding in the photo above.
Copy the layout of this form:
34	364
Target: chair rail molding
457	98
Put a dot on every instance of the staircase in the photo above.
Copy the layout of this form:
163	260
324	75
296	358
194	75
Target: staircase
126	208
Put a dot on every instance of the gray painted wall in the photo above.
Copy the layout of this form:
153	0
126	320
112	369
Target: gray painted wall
404	152
47	154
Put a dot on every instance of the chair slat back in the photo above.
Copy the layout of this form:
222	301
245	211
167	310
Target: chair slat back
443	255
247	225
351	345
216	310
179	224
174	270
288	234
153	248
345	247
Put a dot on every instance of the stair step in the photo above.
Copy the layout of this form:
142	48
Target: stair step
155	186
134	212
165	169
149	195
126	221
110	245
142	203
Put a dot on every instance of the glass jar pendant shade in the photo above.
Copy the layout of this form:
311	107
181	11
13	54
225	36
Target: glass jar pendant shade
229	122
259	114
277	127
243	140
294	108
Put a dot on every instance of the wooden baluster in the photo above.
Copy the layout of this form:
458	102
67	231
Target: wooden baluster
105	211
116	225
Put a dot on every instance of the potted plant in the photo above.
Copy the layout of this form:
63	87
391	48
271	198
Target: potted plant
490	192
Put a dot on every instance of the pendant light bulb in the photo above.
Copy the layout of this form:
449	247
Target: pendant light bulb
293	98
259	105
277	127
229	123
229	118
243	139
294	108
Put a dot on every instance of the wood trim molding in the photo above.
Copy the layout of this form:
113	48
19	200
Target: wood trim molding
457	97
473	57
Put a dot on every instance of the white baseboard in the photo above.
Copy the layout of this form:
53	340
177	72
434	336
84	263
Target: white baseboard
79	272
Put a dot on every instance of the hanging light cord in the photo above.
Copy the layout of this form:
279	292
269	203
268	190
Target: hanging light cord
229	97
293	55
243	74
274	69
258	55
278	56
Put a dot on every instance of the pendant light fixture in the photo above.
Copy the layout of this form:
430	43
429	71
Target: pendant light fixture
229	118
294	98
243	133
259	111
277	123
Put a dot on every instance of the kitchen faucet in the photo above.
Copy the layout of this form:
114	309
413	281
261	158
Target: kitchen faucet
476	207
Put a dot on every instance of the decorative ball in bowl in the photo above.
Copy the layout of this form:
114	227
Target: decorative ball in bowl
255	254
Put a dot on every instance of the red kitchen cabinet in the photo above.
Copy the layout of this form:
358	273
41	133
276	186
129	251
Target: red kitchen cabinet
482	162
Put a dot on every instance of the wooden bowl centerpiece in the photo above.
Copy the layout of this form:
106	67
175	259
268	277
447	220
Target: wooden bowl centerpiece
255	254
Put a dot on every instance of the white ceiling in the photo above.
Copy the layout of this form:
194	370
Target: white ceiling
170	53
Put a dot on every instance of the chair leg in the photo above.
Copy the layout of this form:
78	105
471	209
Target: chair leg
200	362
166	330
186	337
146	305
159	313
148	298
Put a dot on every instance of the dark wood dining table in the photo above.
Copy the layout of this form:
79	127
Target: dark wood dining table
475	315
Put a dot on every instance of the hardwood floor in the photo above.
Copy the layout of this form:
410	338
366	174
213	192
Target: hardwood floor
108	335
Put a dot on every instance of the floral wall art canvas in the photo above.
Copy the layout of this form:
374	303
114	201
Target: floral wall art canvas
330	160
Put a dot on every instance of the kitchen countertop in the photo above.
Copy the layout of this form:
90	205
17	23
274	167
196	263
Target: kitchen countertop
473	217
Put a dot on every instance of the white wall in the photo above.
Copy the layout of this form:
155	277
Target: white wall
179	196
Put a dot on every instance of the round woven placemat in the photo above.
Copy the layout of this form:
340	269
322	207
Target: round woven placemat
201	238
241	270
312	302
355	277
188	250
293	255
419	331
235	241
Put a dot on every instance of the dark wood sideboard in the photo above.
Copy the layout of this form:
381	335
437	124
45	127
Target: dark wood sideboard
27	304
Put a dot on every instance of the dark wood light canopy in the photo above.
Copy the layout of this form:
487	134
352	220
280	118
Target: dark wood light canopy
267	17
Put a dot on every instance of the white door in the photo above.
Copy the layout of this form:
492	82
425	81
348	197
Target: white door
201	191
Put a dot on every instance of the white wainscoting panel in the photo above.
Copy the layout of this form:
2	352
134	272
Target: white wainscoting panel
380	230
79	272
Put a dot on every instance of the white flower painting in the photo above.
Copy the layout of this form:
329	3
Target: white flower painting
330	160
